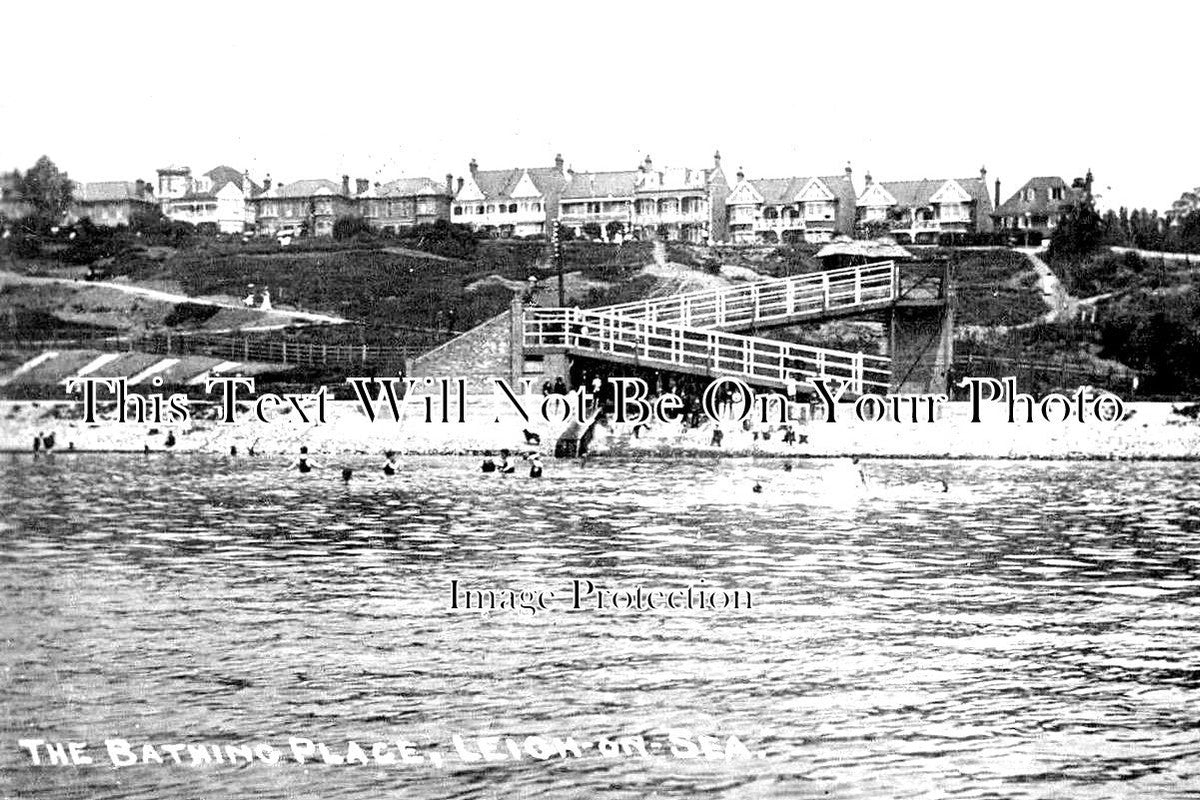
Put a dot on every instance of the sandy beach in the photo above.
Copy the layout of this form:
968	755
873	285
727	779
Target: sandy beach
1150	431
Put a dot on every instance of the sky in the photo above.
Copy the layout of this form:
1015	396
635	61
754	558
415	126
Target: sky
114	90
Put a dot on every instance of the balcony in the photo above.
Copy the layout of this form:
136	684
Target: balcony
669	217
779	224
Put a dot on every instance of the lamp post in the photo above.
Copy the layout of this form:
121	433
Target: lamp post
556	244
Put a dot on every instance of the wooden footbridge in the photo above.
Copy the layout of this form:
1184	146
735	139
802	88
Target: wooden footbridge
698	332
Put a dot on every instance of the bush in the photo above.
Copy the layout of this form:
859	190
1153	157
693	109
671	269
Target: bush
350	227
190	314
442	238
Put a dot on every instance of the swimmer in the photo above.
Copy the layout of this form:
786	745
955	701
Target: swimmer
347	474
945	486
302	464
757	488
506	468
389	466
787	466
862	476
170	442
535	466
233	450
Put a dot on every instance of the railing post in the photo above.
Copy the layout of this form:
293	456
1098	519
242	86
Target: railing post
858	286
858	373
825	290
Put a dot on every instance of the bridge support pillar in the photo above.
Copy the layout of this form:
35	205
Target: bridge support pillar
921	344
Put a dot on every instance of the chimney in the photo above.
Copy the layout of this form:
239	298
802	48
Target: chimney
460	185
267	182
741	176
140	188
361	185
377	187
558	162
848	171
449	184
717	159
346	185
868	178
649	164
474	167
997	193
983	175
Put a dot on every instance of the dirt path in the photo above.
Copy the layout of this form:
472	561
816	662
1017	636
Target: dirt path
1061	302
278	316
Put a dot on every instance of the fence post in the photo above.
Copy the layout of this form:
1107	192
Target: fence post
364	354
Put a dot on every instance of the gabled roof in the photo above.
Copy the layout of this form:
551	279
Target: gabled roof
601	184
109	191
222	175
305	188
497	184
407	187
783	191
672	179
915	194
219	178
1041	203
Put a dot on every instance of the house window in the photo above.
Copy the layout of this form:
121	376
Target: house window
593	208
491	209
503	208
536	206
478	209
458	211
1057	192
512	208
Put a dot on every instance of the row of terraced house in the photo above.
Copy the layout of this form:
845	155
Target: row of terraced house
693	204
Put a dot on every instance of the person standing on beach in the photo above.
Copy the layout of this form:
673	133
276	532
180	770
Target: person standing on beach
389	466
37	443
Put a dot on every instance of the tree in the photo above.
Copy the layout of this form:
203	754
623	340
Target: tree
47	189
1081	231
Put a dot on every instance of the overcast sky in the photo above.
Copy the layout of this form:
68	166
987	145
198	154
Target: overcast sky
114	90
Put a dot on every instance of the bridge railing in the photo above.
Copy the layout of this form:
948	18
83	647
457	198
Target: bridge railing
812	294
710	352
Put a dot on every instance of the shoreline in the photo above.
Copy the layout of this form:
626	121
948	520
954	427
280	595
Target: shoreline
645	455
1151	432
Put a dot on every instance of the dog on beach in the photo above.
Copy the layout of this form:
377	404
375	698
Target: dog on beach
531	437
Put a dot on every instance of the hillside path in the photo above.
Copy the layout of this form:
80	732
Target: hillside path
170	297
1061	302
